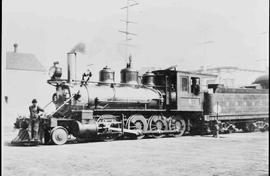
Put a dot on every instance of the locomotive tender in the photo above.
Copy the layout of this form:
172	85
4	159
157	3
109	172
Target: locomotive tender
166	102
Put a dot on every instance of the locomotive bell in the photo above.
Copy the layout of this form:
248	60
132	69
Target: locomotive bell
148	79
106	75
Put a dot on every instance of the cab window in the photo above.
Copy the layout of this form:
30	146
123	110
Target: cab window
184	84
195	85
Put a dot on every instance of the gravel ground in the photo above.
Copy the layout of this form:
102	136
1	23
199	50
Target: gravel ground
240	154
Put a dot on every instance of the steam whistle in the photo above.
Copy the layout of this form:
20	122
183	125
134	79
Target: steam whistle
129	61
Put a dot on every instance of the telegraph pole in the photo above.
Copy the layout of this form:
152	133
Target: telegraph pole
204	43
129	3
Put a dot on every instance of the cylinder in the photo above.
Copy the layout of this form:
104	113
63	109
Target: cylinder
83	130
148	79
129	76
106	75
71	67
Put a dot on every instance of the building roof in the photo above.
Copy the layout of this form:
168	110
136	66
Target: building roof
228	68
23	61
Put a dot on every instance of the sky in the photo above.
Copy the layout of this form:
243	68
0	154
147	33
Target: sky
186	33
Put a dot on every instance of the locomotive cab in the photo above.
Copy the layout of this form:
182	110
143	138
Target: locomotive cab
188	97
182	89
189	93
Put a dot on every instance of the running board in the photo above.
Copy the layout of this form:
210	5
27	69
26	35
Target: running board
138	132
161	132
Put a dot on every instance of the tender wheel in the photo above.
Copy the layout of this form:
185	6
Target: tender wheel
265	128
178	124
249	127
230	130
157	123
137	122
261	125
59	135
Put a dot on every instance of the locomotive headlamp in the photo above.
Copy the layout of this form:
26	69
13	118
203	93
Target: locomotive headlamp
55	72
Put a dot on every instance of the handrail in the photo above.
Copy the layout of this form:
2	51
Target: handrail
47	105
97	82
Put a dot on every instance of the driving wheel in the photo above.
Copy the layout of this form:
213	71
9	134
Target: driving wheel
178	124
157	123
137	122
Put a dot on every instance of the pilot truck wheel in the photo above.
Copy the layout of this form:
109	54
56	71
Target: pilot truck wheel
59	135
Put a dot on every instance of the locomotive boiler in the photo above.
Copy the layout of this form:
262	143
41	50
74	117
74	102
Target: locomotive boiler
105	94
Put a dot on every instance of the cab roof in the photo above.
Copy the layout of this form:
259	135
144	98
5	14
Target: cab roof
194	74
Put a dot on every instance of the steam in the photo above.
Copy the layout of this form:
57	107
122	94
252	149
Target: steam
79	48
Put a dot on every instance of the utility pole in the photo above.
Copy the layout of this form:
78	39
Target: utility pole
129	3
204	43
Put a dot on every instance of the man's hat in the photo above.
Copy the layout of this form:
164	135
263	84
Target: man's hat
34	101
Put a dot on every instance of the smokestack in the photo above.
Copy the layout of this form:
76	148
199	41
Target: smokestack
15	47
71	67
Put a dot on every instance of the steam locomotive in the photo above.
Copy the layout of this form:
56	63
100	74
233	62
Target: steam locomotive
165	102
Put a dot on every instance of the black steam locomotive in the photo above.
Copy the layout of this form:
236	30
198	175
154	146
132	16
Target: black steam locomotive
162	103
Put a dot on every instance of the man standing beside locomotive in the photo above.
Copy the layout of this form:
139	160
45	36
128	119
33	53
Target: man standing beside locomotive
35	119
216	128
